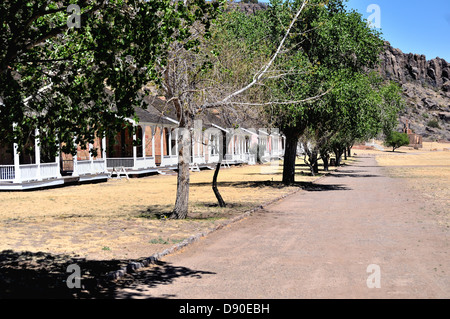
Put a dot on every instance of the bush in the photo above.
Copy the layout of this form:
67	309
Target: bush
433	123
396	140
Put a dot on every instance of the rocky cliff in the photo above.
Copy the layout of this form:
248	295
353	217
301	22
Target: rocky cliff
426	88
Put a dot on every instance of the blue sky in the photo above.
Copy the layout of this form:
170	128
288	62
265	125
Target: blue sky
413	26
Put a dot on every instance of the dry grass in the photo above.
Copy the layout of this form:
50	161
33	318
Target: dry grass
426	171
121	219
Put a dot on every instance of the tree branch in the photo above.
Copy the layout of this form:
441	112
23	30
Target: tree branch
259	75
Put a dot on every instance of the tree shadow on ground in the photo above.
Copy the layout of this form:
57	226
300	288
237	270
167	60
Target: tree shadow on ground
29	275
352	173
161	273
307	186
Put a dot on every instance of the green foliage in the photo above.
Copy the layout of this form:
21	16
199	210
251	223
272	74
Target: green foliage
433	123
329	48
397	140
78	83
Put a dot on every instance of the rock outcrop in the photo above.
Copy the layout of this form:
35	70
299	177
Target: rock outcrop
403	67
426	89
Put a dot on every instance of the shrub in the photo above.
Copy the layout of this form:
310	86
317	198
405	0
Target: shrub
396	140
433	123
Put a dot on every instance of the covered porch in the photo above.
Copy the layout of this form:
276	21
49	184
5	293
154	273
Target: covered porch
32	166
142	147
30	163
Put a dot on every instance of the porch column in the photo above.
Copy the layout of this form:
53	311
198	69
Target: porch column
170	142
37	154
162	145
232	147
104	154
91	159
134	149
203	139
75	159
17	175
176	143
199	144
58	160
144	141
153	129
241	146
207	148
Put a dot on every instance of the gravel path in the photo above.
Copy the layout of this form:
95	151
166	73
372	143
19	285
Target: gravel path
317	243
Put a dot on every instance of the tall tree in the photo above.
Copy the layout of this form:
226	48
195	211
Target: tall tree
74	82
326	39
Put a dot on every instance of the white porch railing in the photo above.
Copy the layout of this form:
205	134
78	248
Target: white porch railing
98	166
277	153
250	159
28	172
213	158
7	173
234	157
49	170
127	162
83	167
145	162
170	160
198	159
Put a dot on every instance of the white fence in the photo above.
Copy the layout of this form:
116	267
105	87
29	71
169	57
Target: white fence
213	158
29	172
145	162
170	160
83	167
7	173
127	162
198	159
49	170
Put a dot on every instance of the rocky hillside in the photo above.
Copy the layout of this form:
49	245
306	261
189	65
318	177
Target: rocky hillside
426	88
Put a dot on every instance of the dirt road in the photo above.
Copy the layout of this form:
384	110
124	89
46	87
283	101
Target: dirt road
317	243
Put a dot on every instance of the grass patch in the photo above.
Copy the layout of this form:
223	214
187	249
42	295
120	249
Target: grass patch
121	216
161	241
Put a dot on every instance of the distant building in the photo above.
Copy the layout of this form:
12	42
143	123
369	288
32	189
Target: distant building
415	140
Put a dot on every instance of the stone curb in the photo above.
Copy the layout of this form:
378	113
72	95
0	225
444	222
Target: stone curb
134	266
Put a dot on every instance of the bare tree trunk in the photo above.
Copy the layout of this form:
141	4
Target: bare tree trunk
214	185
338	154
315	164
325	159
182	202
311	159
290	155
181	208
